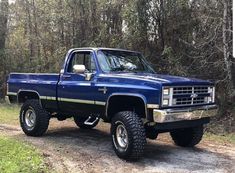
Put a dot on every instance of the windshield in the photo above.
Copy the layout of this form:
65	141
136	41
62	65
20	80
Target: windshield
122	61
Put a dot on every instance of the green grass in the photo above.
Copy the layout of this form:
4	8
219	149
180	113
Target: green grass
225	138
16	156
9	113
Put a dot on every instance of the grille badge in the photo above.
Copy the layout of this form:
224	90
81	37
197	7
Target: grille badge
193	95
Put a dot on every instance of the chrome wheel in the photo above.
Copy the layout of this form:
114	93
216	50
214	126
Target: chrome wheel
122	136
30	118
128	135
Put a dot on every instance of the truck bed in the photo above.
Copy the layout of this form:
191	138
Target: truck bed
43	83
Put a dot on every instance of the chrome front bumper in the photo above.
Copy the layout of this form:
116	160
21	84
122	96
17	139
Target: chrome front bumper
7	99
172	115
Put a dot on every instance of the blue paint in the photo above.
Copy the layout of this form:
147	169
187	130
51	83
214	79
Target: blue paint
146	85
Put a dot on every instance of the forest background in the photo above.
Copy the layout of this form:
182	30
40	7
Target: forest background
190	38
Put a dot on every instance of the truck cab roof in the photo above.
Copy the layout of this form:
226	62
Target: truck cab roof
103	48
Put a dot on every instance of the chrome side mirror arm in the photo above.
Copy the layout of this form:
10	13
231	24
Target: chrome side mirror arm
88	76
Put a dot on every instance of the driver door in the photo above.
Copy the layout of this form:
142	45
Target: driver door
75	93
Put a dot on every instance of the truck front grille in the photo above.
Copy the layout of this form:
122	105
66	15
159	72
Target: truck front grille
188	101
189	95
190	90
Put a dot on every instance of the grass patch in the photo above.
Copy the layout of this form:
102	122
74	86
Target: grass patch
9	113
16	156
225	138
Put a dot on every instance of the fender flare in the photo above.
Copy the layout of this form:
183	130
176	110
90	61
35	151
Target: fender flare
126	94
29	91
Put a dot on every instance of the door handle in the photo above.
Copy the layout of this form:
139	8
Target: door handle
66	76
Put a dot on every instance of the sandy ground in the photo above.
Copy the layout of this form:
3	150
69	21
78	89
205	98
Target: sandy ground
67	148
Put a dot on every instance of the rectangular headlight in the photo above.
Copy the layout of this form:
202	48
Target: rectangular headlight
165	102
167	96
166	91
209	99
210	90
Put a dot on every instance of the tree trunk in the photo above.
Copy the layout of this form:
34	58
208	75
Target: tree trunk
30	28
61	24
227	17
36	32
4	6
3	22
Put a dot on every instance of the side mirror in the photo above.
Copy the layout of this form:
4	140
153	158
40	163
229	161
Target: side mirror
79	68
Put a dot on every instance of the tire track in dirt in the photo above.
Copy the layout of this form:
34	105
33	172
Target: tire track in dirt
67	148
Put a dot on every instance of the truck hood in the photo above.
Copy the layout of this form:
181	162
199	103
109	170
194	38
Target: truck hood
168	80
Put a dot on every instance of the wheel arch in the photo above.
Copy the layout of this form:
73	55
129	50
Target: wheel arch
141	99
23	95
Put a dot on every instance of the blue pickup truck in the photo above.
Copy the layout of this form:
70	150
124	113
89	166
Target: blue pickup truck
119	87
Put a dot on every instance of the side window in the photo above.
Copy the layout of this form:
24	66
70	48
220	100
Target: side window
82	58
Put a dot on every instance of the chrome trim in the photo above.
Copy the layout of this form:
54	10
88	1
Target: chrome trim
93	102
43	97
51	98
213	95
54	98
172	101
87	122
7	87
126	94
171	96
121	135
172	115
12	93
205	107
76	100
61	98
7	99
30	118
152	106
100	103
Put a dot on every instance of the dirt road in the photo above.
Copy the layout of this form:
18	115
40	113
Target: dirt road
70	149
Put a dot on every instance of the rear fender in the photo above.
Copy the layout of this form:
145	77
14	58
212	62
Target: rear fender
23	95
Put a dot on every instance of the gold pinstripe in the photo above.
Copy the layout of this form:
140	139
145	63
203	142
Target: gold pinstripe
76	100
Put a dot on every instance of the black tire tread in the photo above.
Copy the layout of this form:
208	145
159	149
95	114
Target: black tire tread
151	133
42	118
138	138
188	137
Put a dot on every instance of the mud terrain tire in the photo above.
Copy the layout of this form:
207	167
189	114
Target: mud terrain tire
130	144
34	120
188	137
